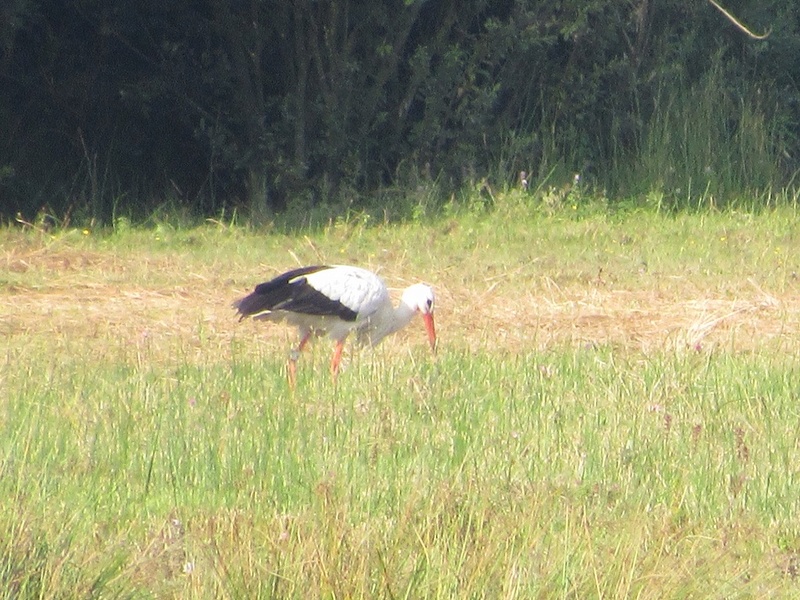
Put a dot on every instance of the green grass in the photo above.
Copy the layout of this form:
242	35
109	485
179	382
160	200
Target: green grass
150	445
577	472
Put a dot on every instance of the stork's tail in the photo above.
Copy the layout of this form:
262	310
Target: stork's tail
252	304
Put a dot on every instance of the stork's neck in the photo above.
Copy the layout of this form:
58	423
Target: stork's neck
401	316
389	320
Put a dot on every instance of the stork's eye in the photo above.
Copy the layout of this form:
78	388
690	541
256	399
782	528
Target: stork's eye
429	303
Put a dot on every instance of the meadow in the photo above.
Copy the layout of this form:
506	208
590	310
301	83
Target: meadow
612	411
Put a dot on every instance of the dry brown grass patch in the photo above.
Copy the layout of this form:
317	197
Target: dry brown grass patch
67	292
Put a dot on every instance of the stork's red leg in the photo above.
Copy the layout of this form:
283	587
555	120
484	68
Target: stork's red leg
337	358
291	372
303	342
292	366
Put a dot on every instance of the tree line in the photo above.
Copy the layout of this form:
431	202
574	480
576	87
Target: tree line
111	108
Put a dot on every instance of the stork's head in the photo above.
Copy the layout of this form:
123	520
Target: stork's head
419	297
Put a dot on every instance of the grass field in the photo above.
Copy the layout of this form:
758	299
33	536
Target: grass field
612	413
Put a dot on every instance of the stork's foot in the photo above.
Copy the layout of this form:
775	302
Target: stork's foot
337	359
291	372
294	356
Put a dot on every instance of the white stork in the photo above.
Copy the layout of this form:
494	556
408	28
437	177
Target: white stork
336	300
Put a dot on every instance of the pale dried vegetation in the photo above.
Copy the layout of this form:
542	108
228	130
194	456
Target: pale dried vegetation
91	295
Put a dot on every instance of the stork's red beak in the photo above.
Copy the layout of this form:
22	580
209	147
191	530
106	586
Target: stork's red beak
430	328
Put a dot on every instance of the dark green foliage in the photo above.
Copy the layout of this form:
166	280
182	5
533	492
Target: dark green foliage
112	109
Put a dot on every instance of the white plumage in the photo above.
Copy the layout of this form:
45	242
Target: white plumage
333	301
357	289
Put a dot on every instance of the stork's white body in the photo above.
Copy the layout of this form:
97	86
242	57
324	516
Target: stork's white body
335	301
354	288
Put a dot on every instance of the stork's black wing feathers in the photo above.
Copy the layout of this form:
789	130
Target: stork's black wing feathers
291	292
